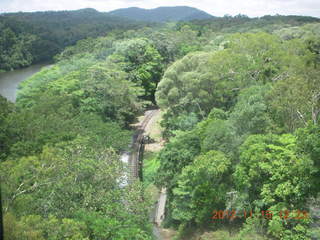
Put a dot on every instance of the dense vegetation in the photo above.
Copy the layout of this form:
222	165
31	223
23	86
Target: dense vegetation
60	172
241	119
27	38
243	130
162	14
242	23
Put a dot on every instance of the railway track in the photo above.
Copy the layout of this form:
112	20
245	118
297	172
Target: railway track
135	158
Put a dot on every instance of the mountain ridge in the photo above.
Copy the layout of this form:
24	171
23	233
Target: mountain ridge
162	14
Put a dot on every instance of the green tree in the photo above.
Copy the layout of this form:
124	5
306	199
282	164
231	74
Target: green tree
250	114
178	153
202	187
273	171
276	177
141	60
5	131
218	135
185	86
296	100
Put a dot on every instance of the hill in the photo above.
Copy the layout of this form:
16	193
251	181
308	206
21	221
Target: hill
162	14
243	23
41	35
27	38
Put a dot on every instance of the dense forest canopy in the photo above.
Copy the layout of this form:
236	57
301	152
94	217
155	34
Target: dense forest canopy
242	23
240	99
244	119
28	38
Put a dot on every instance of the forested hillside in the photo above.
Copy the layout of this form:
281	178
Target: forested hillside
240	100
242	23
162	14
27	38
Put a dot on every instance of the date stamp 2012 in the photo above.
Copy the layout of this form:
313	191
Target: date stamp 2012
285	214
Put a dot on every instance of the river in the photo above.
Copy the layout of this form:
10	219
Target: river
9	81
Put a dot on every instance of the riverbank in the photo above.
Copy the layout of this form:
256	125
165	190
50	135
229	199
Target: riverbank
9	81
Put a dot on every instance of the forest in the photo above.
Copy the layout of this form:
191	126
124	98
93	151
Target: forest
28	38
240	103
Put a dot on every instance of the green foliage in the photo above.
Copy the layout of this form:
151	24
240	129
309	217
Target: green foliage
272	171
237	100
5	132
54	121
35	227
217	113
142	62
66	170
202	186
231	104
296	99
62	174
253	228
298	230
308	141
91	87
250	114
276	178
185	86
151	165
307	32
177	154
218	135
34	37
87	46
28	38
315	233
33	88
171	43
73	177
242	23
172	123
201	81
16	50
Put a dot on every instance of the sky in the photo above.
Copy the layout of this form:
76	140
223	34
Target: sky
252	8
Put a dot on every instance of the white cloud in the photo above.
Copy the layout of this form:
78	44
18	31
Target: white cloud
215	7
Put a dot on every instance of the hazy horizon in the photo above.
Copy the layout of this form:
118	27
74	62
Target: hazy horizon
219	8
